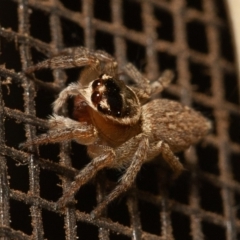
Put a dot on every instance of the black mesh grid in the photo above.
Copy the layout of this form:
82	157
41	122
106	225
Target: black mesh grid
190	37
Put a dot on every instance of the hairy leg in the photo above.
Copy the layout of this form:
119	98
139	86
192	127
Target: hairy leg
71	58
86	174
65	129
145	89
172	160
127	179
162	82
71	90
168	155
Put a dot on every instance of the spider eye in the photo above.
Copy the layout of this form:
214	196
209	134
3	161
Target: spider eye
96	97
96	84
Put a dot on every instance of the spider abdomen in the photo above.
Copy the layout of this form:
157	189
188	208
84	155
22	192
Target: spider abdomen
177	125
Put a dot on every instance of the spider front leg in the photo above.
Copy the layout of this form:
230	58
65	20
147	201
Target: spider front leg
72	90
128	178
71	58
145	89
65	129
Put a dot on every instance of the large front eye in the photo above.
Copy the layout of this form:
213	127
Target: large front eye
96	84
96	97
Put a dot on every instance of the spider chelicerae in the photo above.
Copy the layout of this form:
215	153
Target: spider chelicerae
121	125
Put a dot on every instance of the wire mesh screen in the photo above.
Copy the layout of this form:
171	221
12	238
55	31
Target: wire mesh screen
192	38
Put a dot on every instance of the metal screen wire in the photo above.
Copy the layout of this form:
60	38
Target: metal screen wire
193	38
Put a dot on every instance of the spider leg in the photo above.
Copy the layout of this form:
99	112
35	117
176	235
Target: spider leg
68	58
63	62
128	178
71	58
87	174
171	159
99	54
145	89
103	56
163	148
162	82
72	90
65	129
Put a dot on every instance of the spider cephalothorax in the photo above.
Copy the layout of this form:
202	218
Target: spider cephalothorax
112	97
120	124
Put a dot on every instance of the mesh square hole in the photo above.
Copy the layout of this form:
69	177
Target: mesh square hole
8	20
180	231
208	158
9	55
165	27
212	231
40	28
72	5
102	10
20	216
235	166
19	175
230	88
150	217
132	15
87	230
73	34
49	185
53	225
196	36
234	128
14	133
211	198
196	4
16	102
104	41
200	78
136	54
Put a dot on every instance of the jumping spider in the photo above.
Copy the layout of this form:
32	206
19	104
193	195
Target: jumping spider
121	126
